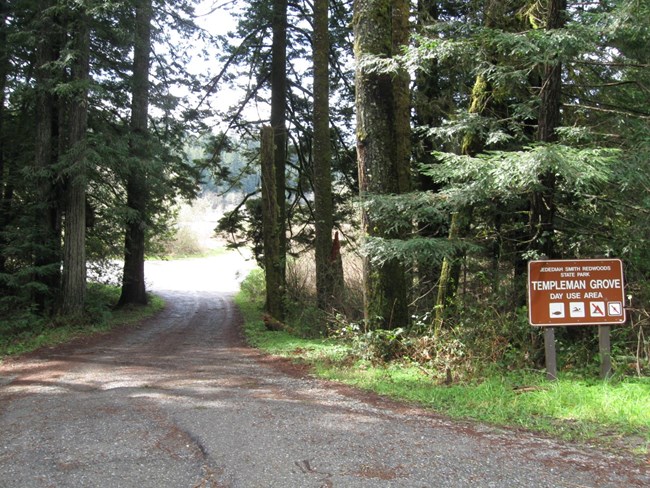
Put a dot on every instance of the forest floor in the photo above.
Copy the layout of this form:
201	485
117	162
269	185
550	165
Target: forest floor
181	401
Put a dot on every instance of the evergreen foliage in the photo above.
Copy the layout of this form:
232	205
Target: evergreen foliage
503	166
38	92
246	68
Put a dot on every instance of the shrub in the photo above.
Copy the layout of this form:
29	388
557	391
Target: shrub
254	286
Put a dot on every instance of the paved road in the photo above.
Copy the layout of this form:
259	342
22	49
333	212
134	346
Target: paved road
180	402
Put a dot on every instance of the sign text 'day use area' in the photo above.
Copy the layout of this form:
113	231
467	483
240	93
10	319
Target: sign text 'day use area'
576	292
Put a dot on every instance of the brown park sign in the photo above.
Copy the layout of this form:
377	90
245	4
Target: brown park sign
576	292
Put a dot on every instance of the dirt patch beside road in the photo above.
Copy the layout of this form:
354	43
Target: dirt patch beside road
181	402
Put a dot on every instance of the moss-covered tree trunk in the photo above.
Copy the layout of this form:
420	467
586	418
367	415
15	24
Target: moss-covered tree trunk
401	96
329	283
273	264
485	101
133	281
383	145
450	270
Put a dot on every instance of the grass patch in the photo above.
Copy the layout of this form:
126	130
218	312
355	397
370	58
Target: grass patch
574	409
612	413
26	332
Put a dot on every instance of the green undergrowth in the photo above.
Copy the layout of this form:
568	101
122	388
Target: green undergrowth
614	413
25	332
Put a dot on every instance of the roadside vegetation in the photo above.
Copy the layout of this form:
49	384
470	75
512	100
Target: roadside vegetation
461	378
26	332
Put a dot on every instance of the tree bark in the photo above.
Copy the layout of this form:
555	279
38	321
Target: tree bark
446	278
328	283
5	197
271	235
401	96
133	281
278	123
378	30
74	246
47	257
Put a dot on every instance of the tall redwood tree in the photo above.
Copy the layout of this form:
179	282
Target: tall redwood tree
133	282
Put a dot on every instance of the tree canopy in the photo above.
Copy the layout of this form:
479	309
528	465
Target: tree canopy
445	144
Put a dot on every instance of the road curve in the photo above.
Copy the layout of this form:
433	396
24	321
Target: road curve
180	402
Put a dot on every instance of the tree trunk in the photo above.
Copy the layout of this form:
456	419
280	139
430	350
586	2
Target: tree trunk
381	157
542	213
278	123
270	209
446	278
5	197
47	257
74	246
471	145
326	288
401	97
133	281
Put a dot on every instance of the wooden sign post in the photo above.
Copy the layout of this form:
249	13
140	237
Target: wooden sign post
604	349
576	292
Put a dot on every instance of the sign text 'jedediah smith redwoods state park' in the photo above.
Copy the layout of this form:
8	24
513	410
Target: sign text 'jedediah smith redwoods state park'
576	292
